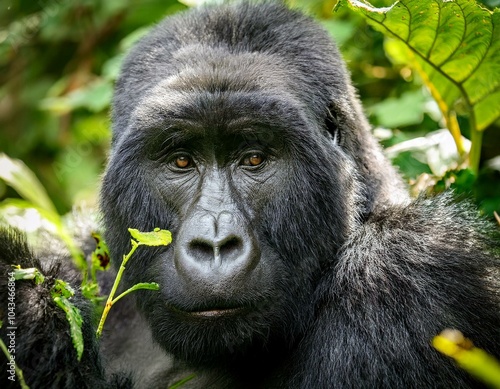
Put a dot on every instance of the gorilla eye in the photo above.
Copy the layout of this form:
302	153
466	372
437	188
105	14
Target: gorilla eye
253	159
183	161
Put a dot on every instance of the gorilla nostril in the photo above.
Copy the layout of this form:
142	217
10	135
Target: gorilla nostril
225	249
201	250
233	244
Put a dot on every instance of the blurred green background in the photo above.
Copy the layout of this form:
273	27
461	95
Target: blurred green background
59	60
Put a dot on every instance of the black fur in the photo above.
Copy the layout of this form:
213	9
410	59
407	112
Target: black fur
312	269
43	346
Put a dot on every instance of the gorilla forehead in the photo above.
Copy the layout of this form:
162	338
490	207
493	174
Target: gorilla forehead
199	67
176	104
232	52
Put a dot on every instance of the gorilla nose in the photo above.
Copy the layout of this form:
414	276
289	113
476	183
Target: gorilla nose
215	254
228	249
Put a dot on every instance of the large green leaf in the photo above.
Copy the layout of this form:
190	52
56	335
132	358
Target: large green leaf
456	44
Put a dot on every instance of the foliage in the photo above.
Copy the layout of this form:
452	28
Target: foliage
157	237
455	47
61	293
58	63
16	174
59	60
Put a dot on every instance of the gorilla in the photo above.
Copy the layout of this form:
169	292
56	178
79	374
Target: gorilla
299	259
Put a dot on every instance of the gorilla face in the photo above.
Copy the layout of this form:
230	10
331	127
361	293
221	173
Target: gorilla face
236	177
239	175
231	150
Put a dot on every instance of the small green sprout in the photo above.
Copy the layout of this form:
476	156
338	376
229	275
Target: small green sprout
31	273
61	292
154	238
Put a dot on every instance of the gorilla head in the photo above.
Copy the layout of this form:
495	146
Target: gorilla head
298	259
239	131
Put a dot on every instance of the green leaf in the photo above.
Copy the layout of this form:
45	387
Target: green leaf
16	174
140	285
75	321
90	291
154	238
95	97
31	273
397	112
100	256
54	218
145	285
455	47
60	292
455	43
63	289
340	30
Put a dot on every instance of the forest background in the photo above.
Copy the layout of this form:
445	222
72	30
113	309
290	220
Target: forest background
59	60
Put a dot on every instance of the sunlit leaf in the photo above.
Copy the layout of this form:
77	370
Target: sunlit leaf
54	218
16	174
154	238
455	47
455	43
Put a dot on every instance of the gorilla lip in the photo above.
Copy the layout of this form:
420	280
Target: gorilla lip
212	311
218	312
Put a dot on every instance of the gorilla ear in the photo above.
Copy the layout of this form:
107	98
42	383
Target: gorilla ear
332	124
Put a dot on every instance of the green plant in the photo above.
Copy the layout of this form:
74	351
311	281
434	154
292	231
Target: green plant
155	238
455	47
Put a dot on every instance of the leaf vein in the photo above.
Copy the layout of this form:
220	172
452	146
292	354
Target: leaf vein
428	55
464	33
484	55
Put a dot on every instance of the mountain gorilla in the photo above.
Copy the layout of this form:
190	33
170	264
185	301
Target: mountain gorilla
298	259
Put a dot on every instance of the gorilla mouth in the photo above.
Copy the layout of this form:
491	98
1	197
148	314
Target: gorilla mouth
219	312
212	310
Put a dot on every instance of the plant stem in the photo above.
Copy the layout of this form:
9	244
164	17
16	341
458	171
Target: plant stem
109	302
475	150
139	286
182	381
